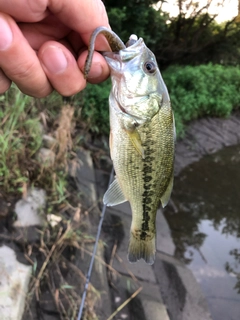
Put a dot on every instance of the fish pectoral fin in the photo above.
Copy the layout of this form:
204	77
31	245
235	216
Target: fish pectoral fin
136	141
114	195
167	194
129	124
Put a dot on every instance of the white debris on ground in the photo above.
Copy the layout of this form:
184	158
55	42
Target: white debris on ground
46	157
14	282
53	219
29	210
49	142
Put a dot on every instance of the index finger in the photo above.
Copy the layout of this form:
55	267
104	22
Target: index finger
83	16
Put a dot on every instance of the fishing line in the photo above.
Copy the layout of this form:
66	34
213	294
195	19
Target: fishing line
93	255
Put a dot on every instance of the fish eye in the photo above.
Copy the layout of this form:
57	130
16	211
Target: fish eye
150	67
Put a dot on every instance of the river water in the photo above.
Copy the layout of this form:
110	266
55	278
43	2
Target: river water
205	223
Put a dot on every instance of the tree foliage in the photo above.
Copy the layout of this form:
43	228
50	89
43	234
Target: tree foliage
193	37
137	17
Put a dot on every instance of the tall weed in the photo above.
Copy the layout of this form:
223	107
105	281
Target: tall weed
20	137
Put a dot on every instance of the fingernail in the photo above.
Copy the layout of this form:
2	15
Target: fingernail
54	59
6	35
95	71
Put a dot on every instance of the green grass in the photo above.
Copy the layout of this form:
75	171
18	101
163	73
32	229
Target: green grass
20	137
21	130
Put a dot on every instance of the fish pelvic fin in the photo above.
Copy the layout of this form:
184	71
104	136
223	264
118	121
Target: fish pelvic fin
136	141
167	194
142	249
114	195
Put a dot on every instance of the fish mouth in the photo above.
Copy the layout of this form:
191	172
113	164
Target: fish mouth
111	54
113	60
125	54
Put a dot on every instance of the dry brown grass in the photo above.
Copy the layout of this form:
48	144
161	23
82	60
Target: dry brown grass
63	132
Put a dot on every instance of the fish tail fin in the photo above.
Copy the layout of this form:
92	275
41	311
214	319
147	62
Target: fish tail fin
141	249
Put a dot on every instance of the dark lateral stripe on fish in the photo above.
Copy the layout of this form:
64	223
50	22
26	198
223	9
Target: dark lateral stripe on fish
148	171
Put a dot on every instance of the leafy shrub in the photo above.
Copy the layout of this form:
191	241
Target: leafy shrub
205	90
95	107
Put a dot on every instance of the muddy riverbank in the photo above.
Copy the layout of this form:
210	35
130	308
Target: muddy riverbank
206	136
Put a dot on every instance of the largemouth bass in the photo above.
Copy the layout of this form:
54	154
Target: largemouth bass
142	134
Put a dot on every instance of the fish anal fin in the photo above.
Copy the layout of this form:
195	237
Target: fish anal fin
167	194
114	195
141	249
136	141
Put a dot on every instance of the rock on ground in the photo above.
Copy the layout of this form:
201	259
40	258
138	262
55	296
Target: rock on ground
28	210
14	283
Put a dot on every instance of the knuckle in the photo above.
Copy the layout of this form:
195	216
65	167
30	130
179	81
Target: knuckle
30	79
69	88
5	83
23	71
39	93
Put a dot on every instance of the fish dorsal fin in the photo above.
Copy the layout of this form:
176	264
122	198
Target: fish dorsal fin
114	195
136	141
167	194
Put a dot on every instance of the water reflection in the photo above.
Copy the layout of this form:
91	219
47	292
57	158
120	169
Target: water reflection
234	268
205	225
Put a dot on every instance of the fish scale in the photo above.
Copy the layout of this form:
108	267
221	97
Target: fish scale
149	176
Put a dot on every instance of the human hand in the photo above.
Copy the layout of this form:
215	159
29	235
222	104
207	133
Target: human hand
43	45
